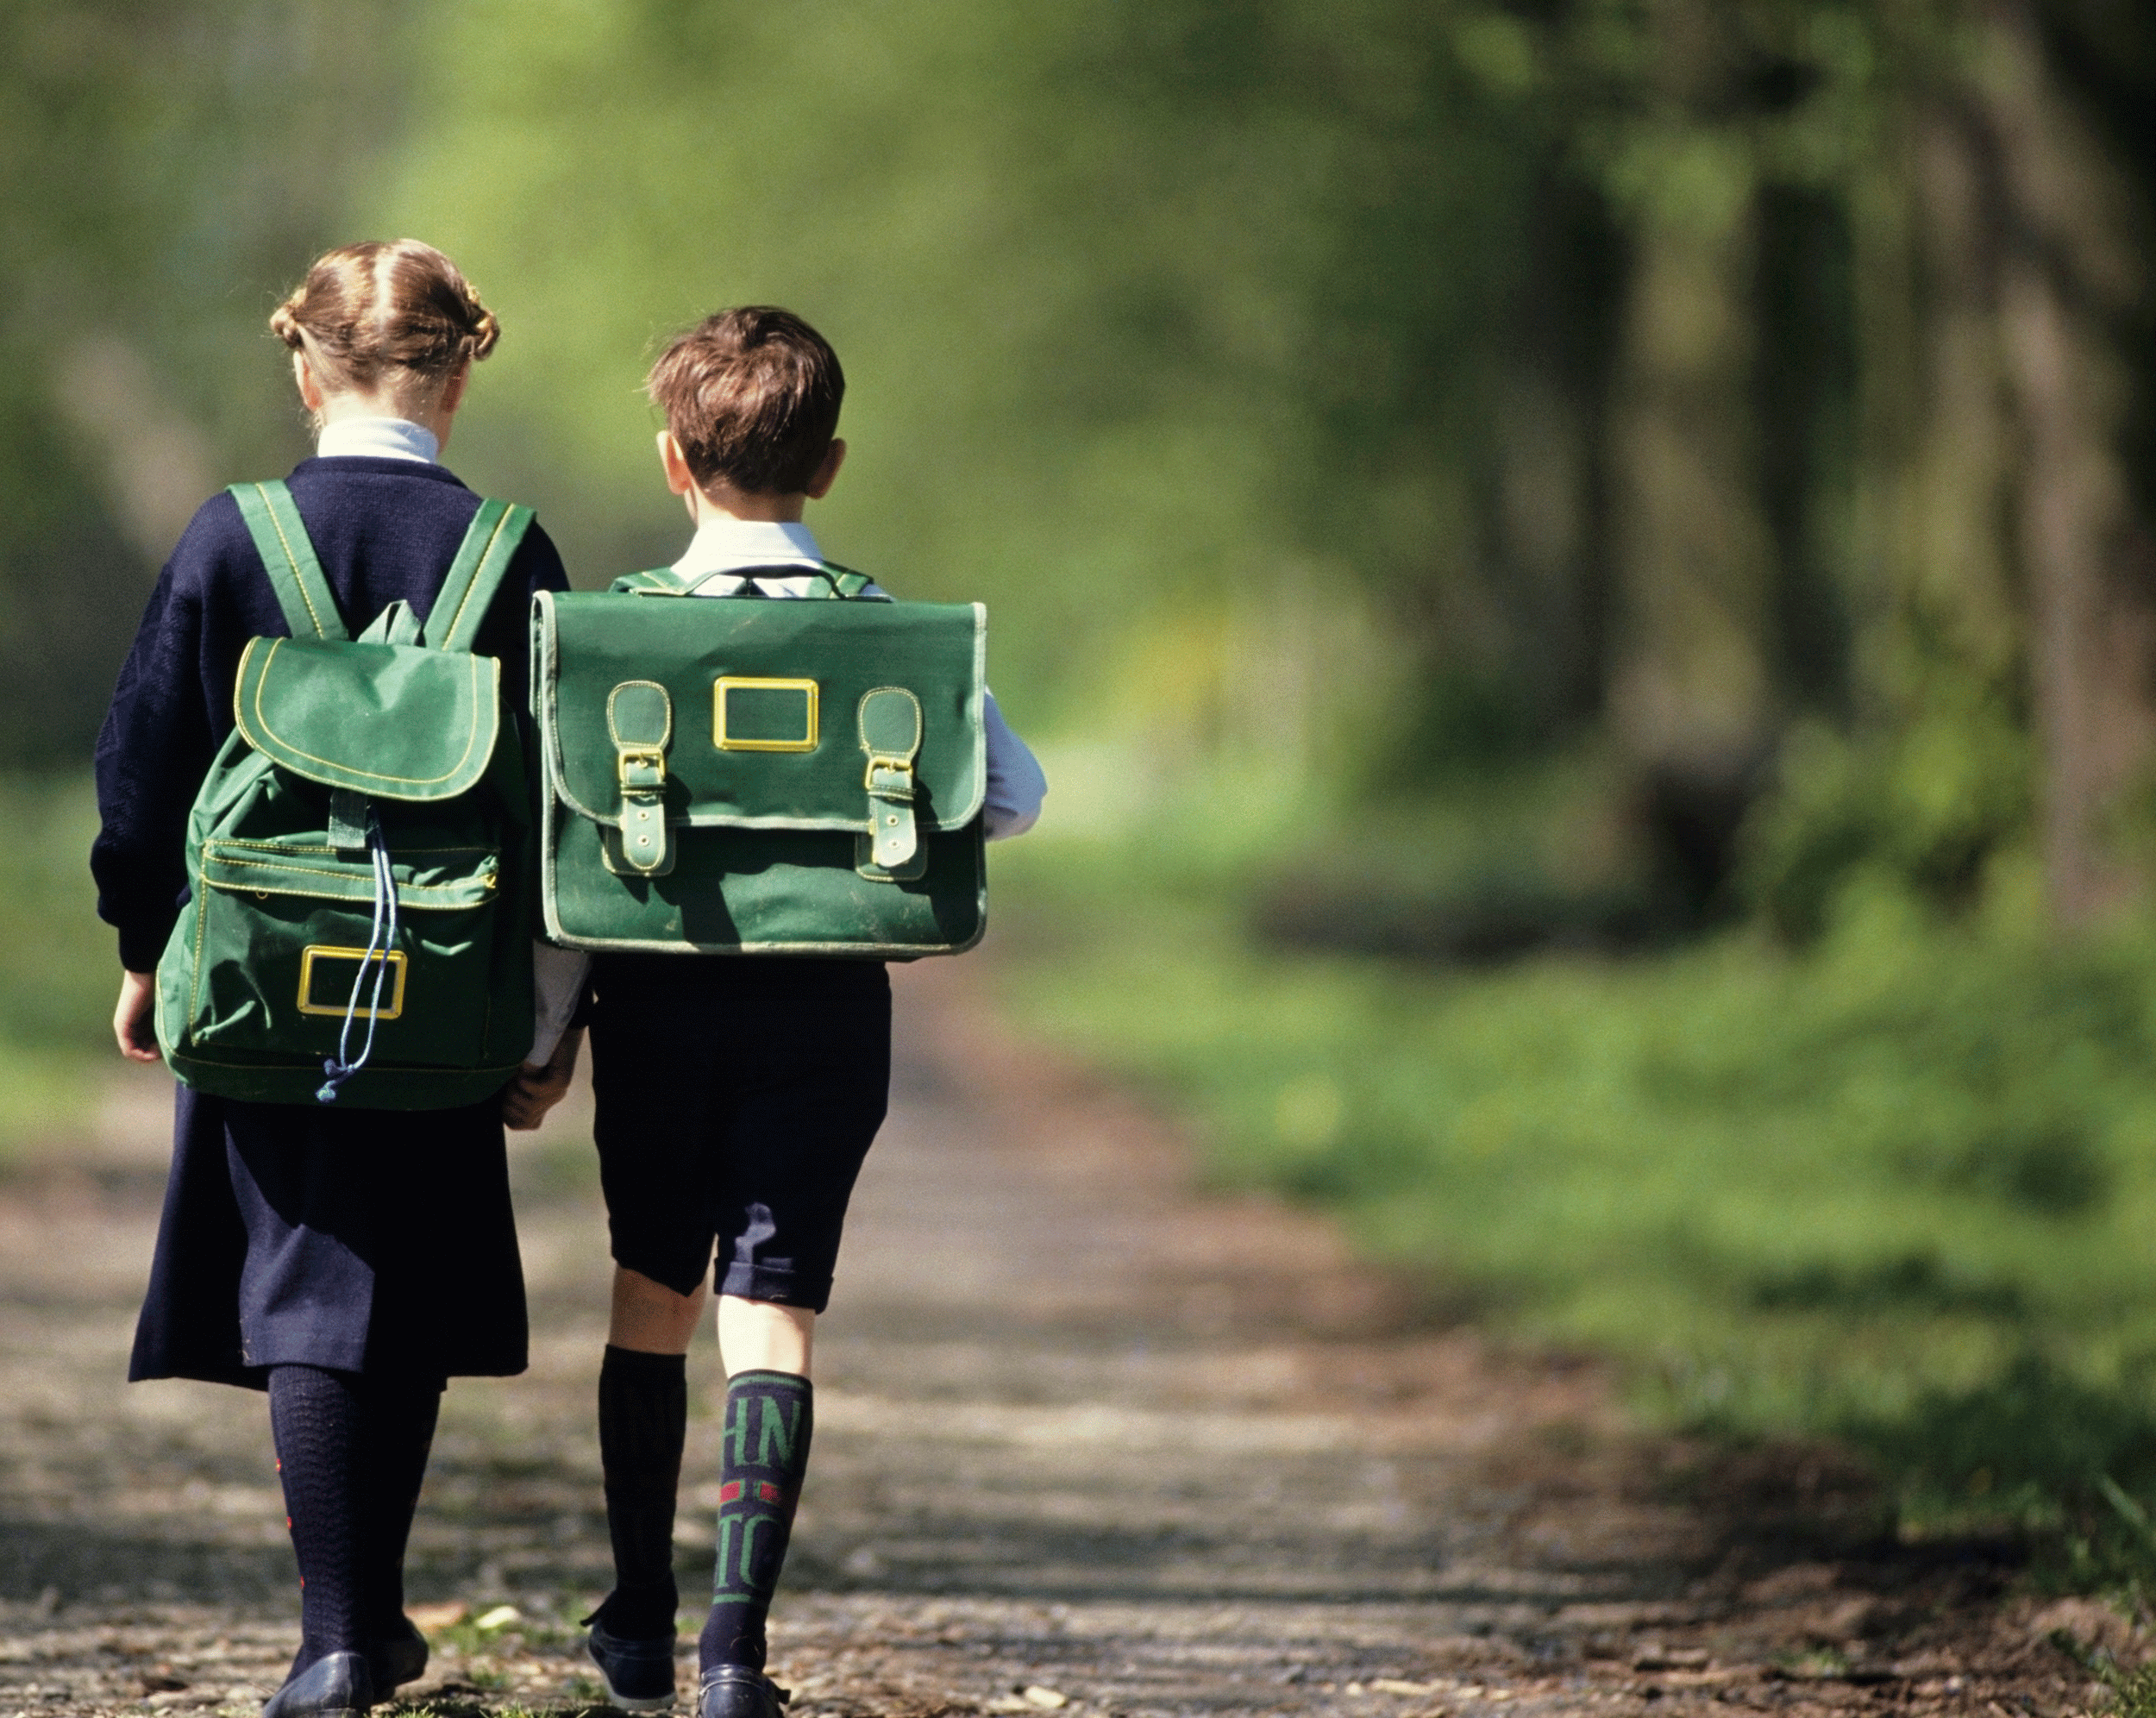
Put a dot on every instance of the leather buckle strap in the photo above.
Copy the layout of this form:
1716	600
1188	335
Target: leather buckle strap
640	722
890	722
640	769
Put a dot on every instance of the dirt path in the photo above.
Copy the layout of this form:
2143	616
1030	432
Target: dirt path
1081	1430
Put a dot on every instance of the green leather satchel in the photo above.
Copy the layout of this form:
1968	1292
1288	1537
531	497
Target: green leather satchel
752	775
359	927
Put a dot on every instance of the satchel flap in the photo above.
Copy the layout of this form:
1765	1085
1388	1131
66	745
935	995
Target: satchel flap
392	720
767	697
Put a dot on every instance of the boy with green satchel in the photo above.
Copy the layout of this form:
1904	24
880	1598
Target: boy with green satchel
749	806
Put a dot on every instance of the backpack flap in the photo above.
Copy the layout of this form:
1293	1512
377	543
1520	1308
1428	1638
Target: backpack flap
764	714
395	721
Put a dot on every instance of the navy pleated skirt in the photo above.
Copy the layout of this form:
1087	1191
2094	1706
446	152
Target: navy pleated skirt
363	1241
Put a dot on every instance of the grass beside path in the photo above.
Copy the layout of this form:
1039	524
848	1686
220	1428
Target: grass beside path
1901	1190
59	970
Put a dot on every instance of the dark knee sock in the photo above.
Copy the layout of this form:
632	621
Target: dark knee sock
643	1416
399	1416
315	1417
763	1452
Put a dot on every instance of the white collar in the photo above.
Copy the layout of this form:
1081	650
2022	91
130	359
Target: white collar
722	544
376	438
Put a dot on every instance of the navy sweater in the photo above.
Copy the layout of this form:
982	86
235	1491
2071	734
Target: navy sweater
382	529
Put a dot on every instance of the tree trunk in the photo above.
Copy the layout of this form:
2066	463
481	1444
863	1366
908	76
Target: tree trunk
2093	625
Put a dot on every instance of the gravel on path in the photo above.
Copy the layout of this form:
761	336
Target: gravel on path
1089	1439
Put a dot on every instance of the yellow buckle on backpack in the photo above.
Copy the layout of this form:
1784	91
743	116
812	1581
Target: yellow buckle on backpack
314	952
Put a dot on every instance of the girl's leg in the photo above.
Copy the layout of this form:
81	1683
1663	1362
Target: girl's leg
400	1417
315	1420
763	1455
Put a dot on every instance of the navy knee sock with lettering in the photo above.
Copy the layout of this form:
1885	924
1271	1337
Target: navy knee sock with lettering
643	1416
763	1452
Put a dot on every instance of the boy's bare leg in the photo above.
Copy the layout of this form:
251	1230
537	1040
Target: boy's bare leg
649	1317
762	1336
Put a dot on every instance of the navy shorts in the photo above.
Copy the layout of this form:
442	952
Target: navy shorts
736	1098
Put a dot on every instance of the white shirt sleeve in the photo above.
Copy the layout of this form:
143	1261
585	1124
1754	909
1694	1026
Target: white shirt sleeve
557	981
1016	785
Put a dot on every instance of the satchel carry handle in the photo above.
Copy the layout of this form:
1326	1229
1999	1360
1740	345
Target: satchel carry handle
845	582
311	610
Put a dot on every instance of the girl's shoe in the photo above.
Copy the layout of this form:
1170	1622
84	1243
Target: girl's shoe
339	1685
638	1674
399	1658
737	1692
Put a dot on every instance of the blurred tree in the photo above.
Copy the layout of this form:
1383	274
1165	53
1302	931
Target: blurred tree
1375	388
167	169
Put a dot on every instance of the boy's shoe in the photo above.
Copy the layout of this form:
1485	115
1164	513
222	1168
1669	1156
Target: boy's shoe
638	1674
399	1658
339	1685
737	1692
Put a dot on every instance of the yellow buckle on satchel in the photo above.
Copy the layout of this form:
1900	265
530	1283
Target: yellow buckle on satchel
641	770
806	690
902	768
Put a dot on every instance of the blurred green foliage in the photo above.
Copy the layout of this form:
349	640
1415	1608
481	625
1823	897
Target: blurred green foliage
58	976
168	171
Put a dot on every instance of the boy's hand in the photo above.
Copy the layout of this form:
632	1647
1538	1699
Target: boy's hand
131	1017
537	1088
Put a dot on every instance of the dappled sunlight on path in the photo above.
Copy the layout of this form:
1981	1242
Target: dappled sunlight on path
1081	1430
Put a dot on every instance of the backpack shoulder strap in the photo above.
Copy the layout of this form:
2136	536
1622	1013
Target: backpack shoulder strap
294	574
468	588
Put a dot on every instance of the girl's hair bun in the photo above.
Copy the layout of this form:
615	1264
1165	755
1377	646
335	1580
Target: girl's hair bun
286	325
395	312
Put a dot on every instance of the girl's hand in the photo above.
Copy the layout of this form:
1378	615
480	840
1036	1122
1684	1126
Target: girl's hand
538	1088
131	1019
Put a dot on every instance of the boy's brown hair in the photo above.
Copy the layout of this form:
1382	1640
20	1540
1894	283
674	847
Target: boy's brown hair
752	395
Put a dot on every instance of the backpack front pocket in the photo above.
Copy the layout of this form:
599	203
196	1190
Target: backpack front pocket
282	932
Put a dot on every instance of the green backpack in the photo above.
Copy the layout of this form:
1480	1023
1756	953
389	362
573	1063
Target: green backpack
360	925
757	775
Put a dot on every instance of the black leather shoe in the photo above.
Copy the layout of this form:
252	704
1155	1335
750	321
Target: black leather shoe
398	1659
338	1686
737	1692
638	1674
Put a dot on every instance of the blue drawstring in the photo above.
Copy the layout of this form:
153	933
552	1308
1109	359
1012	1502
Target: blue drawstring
336	1068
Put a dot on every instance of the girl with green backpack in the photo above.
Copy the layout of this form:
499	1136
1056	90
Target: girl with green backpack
346	1260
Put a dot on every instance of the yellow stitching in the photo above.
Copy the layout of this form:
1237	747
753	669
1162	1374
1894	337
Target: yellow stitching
402	889
194	994
861	723
299	1064
471	735
324	852
477	573
613	732
291	560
